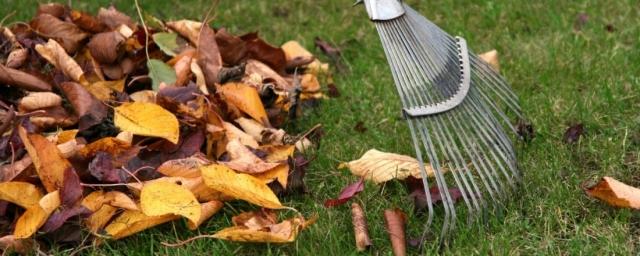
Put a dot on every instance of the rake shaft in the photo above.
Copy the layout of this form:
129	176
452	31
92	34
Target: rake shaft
453	104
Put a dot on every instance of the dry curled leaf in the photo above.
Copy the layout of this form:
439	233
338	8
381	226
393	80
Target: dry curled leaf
147	119
257	228
239	185
55	54
187	28
208	210
491	57
106	47
185	167
17	57
209	58
380	166
395	221
159	198
17	78
66	33
360	229
615	193
243	160
39	100
346	194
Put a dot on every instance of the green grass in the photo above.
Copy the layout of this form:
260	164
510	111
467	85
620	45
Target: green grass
562	77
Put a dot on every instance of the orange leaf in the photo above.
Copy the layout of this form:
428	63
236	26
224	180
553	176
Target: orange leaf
616	193
110	145
37	215
47	159
246	99
208	210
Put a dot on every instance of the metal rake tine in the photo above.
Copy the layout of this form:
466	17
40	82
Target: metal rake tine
445	146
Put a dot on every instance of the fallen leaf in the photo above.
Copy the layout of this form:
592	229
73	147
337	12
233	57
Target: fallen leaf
264	72
395	221
46	157
243	160
17	58
160	198
333	91
131	222
491	57
58	218
71	190
197	186
360	228
420	198
87	22
147	119
187	28
525	130
260	50
280	173
232	49
160	72
239	185
110	145
144	96
346	194
113	18
66	33
54	9
328	49
17	78
37	215
38	100
23	194
208	210
296	55
380	167
185	167
106	47
167	43
247	99
10	171
55	54
262	230
90	110
615	193
209	58
573	133
360	127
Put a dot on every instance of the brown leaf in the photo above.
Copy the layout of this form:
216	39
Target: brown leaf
66	33
360	127
106	47
395	221
246	99
14	77
360	229
209	58
55	54
71	190
46	157
55	9
243	160
112	18
258	228
90	111
259	50
573	133
186	167
232	49
208	210
87	22
266	73
10	171
615	193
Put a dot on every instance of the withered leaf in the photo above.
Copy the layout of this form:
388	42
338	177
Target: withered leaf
232	49
187	28
131	222
57	219
113	18
209	58
37	215
23	80
573	133
240	186
106	47
39	100
360	227
90	110
260	50
47	159
395	221
66	33
379	166
491	58
245	98
71	190
159	198
328	49
254	227
87	22
55	54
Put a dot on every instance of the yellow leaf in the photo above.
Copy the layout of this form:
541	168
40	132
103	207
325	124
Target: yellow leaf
246	99
196	185
278	153
99	218
293	50
615	193
49	163
243	160
110	145
117	85
120	200
240	186
144	96
66	136
380	166
160	197
36	215
310	83
131	222
147	119
23	194
280	173
187	28
208	210
57	56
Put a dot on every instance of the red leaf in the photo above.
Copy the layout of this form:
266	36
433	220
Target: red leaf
71	190
346	194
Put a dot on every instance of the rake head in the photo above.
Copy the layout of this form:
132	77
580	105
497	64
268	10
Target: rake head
453	103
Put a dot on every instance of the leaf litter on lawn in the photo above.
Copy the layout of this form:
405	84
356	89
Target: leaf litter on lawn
122	127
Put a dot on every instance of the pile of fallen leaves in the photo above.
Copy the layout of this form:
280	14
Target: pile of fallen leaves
113	127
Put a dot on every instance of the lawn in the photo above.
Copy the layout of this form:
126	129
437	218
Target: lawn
565	73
